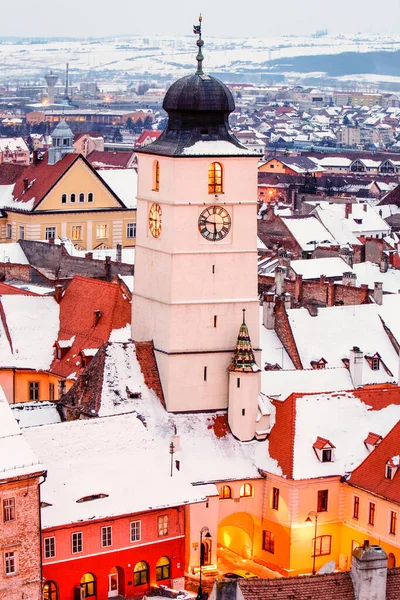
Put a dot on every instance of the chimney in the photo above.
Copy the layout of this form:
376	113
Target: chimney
349	278
331	293
378	292
365	207
89	255
347	255
348	209
298	288
356	366
270	213
58	290
288	302
26	183
97	316
322	279
280	273
119	253
268	311
107	268
369	572
383	267
35	157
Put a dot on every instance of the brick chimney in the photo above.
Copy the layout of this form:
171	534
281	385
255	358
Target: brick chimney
347	255
331	293
298	288
365	207
349	278
58	291
369	572
378	292
384	264
348	209
268	311
280	273
119	253
356	366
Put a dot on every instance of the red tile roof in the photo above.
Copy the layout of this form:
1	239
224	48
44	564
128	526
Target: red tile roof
120	160
321	443
281	439
9	173
372	439
370	475
148	365
9	290
148	133
81	299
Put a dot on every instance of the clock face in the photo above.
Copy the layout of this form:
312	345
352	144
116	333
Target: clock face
155	219
214	223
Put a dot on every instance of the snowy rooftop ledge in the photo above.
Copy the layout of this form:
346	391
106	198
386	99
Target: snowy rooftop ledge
216	148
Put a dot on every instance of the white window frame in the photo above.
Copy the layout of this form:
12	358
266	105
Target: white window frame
136	531
75	227
132	227
106	536
49	547
10	563
77	539
100	226
48	230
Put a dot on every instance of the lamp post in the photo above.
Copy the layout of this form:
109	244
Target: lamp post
206	532
313	515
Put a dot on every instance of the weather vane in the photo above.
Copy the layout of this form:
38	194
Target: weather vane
200	44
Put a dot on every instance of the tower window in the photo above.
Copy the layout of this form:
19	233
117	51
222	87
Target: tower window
215	320
238	382
243	412
213	268
205	373
215	182
156	176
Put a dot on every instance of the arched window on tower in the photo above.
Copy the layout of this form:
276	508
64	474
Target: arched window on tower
225	492
156	176
50	591
246	491
215	178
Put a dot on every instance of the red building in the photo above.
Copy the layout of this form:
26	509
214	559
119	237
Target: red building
121	556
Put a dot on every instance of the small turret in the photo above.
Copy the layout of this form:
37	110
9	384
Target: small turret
61	139
244	387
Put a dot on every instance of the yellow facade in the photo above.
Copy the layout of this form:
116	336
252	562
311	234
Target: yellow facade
17	388
79	207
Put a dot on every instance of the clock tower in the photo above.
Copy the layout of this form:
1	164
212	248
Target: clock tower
196	245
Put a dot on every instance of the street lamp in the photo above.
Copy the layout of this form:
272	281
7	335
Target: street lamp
206	532
313	515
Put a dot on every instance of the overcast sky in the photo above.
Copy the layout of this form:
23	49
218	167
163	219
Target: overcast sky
87	18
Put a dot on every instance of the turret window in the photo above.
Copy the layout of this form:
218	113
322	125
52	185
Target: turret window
156	176
225	492
215	178
246	491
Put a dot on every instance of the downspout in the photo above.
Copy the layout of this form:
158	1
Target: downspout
13	386
40	533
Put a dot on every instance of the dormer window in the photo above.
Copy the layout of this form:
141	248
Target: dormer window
375	364
391	467
319	364
372	441
324	450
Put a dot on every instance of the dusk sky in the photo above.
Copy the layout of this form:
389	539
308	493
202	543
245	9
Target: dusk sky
260	18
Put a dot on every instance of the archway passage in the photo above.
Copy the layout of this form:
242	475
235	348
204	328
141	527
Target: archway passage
116	582
205	552
236	533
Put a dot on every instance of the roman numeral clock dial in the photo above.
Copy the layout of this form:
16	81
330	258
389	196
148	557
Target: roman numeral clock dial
214	223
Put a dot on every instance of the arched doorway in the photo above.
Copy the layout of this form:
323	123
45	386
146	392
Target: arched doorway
237	533
50	591
88	583
391	560
205	552
116	582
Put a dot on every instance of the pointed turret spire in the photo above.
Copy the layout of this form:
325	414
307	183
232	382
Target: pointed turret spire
200	44
244	359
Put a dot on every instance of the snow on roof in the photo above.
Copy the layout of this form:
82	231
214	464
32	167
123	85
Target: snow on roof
16	456
334	161
128	281
338	227
123	183
280	384
216	148
272	350
32	324
34	414
128	254
309	232
312	269
389	313
13	144
343	419
335	330
13	253
369	273
41	290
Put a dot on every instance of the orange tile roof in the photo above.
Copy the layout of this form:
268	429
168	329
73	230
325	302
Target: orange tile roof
9	290
370	475
81	299
321	443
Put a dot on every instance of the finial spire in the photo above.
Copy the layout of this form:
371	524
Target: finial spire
200	44
244	316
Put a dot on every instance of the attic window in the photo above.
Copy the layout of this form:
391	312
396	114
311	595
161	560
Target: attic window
391	467
324	449
318	364
375	364
372	441
271	367
358	221
92	497
45	504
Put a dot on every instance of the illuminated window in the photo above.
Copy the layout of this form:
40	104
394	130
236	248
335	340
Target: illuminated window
225	492
101	231
106	536
393	522
33	390
322	505
163	525
10	562
156	176
162	568
371	513
50	233
140	573
268	542
76	232
50	591
275	498
246	491
88	583
321	545
49	547
136	530
356	507
81	197
77	542
215	178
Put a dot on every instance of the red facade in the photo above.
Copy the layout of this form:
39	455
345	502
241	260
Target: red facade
161	536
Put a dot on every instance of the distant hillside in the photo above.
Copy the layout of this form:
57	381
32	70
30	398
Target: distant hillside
337	65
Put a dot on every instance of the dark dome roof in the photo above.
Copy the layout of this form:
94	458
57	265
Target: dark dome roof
198	93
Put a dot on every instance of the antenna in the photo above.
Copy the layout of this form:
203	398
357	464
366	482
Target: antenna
66	80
